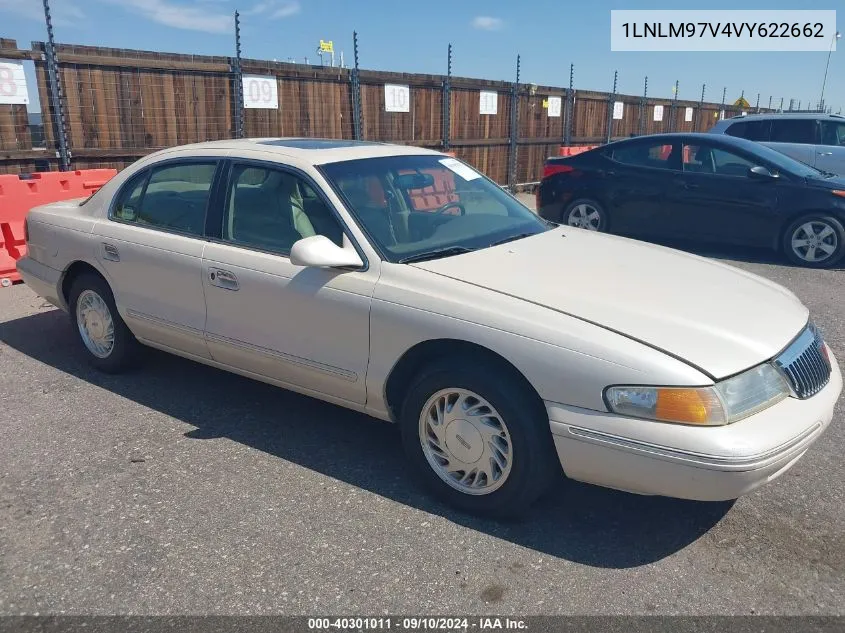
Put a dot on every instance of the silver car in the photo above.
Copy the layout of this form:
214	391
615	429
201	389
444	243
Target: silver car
401	283
817	140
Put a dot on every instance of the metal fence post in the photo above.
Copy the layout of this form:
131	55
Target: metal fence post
724	94
447	101
673	110
642	107
56	94
238	80
356	92
569	113
697	125
610	99
757	107
514	131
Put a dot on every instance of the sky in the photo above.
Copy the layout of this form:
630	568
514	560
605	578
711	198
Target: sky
412	36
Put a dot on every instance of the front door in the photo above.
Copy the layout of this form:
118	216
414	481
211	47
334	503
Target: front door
150	248
306	327
714	198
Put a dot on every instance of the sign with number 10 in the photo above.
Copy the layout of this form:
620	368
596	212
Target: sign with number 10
12	83
260	92
397	98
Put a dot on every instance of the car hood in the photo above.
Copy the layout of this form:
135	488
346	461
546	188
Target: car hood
718	318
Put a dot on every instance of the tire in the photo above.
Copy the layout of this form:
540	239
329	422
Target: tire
821	233
522	434
585	213
94	294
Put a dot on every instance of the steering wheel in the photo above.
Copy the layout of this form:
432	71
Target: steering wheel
451	205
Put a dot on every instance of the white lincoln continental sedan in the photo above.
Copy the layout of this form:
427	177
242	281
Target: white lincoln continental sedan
402	283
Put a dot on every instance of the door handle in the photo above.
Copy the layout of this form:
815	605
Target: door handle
223	279
825	153
110	252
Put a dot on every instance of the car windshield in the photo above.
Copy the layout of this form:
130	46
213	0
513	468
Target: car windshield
429	206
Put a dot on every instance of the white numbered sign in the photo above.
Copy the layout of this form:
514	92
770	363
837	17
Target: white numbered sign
554	106
488	102
721	114
618	110
397	98
260	92
658	113
12	83
744	113
688	115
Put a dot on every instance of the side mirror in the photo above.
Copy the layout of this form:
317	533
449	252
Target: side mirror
318	251
762	173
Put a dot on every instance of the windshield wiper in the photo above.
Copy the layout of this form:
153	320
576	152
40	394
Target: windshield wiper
511	238
441	252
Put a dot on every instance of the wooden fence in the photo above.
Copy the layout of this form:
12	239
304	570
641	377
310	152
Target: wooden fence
119	105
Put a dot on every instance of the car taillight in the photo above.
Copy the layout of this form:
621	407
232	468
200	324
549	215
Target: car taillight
550	169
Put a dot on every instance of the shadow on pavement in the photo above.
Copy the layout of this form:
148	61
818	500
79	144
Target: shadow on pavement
578	522
745	254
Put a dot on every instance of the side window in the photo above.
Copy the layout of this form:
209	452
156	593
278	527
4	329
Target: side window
271	209
794	131
659	156
127	205
833	133
751	130
704	159
172	197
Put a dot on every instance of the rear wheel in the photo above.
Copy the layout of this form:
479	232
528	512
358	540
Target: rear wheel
815	241
108	343
477	438
585	213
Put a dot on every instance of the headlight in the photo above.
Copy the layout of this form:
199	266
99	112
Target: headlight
725	402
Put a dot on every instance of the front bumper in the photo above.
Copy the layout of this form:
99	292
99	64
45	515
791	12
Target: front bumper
687	462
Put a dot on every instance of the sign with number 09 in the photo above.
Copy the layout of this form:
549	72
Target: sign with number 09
397	98
260	92
12	83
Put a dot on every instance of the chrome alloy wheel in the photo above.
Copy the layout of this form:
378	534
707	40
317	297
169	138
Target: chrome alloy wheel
814	241
466	441
584	216
95	323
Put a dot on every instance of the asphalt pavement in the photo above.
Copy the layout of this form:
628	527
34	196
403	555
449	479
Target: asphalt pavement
181	489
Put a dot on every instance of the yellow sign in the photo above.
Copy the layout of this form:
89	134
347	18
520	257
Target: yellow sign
326	47
545	103
742	103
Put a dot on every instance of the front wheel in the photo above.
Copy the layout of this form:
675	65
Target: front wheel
477	438
585	213
815	241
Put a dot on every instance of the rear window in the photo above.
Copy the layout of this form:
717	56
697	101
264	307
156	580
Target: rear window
654	155
751	130
794	131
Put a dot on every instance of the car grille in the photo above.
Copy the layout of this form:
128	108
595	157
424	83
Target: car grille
805	364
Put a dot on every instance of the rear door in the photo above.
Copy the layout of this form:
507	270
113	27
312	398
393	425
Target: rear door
715	200
831	153
151	246
640	173
796	137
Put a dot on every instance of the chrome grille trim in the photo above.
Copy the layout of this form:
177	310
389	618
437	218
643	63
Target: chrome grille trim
803	364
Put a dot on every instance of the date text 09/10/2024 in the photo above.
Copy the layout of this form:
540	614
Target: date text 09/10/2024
416	624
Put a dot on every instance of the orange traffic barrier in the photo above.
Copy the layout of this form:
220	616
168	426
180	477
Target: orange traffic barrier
19	194
572	150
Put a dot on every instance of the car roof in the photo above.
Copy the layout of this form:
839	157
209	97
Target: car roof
671	137
317	151
788	115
